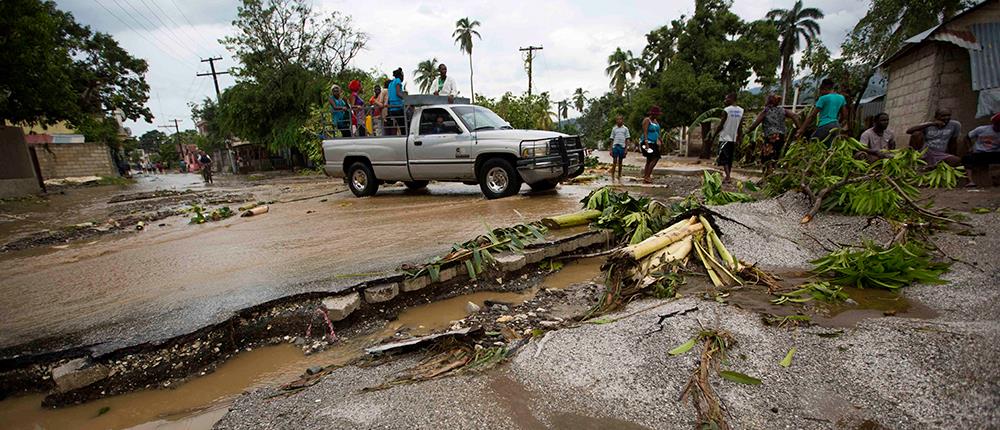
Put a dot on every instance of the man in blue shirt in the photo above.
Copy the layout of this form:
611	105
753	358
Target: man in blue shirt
831	108
340	112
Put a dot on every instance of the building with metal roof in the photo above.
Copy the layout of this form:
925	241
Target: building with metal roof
954	65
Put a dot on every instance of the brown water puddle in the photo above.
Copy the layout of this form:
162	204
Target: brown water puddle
437	315
194	397
869	303
200	402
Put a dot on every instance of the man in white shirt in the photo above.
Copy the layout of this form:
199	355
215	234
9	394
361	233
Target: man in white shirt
730	131
620	138
446	84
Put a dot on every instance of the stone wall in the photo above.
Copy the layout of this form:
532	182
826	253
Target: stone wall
17	175
65	160
908	95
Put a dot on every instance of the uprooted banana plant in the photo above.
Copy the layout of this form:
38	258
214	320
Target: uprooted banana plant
477	254
835	179
656	261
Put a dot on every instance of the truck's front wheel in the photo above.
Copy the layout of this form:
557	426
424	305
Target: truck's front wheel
498	179
361	180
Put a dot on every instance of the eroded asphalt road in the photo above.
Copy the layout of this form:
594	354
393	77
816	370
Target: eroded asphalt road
131	288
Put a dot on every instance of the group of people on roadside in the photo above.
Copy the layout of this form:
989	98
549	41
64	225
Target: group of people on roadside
383	114
938	137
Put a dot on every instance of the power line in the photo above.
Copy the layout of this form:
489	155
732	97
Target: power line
199	36
188	21
150	27
169	28
140	34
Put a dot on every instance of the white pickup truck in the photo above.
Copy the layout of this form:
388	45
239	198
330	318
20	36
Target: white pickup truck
455	143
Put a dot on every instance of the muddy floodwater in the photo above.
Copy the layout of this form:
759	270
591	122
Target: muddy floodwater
174	279
203	400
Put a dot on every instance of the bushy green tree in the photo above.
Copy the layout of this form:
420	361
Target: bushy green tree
55	69
151	140
286	58
522	112
716	53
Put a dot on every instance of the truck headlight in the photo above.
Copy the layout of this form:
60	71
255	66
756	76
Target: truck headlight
539	149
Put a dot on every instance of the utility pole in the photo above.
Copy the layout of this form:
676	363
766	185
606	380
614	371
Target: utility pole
531	57
218	99
215	75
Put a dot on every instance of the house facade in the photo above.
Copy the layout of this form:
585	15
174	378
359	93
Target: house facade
955	65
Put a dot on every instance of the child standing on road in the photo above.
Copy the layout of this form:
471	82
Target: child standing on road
730	131
620	138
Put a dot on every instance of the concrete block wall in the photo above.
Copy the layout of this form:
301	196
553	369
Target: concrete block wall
65	160
911	84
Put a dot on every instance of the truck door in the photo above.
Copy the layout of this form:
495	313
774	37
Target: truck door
439	149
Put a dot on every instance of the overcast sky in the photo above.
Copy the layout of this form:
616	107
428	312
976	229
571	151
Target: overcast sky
577	36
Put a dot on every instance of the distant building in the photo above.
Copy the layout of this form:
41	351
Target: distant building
955	65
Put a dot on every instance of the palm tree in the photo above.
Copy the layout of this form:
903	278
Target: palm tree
464	30
544	120
562	108
425	74
579	99
793	24
622	67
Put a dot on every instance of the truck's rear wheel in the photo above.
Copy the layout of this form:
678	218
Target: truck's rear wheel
498	179
416	185
361	180
544	185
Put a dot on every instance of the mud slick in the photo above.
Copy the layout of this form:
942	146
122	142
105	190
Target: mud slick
280	321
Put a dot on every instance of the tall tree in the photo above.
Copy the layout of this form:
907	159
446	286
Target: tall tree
793	25
286	56
272	34
660	48
717	53
465	29
622	67
55	69
562	110
425	74
579	99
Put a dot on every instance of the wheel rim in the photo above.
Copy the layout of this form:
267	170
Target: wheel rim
497	180
359	179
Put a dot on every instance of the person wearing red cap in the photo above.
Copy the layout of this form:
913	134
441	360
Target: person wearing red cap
650	142
985	147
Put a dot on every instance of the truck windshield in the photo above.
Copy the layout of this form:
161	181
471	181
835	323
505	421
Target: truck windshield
480	118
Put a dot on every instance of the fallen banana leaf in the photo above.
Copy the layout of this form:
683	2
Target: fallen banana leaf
684	347
739	377
787	361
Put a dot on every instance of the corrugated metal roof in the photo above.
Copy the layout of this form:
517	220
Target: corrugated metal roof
964	39
986	61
